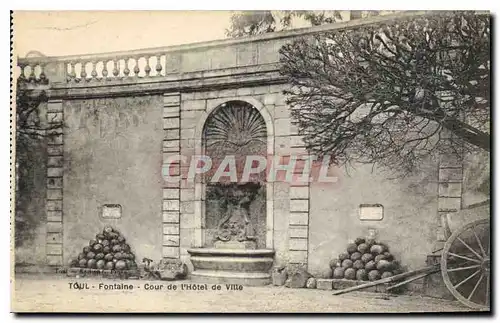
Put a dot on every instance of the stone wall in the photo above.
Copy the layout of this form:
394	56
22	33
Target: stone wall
409	222
113	155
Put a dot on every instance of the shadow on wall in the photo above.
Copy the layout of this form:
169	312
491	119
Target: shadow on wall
30	230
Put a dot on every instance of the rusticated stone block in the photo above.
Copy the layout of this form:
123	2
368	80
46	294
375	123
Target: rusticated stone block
170	252
343	283
325	284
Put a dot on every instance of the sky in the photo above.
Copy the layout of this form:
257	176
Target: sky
60	33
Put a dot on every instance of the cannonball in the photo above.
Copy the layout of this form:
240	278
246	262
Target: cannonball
91	263
92	242
73	262
333	263
110	265
359	240
373	275
370	242
90	255
338	273
370	265
108	229
99	236
99	256
343	256
116	248
352	247
367	257
106	249
383	265
358	264
100	264
105	242
361	274
385	248
86	249
98	247
121	265
379	257
363	248
121	239
82	263
347	263
388	256
81	256
376	249
118	255
355	256
386	274
125	247
131	256
350	273
109	257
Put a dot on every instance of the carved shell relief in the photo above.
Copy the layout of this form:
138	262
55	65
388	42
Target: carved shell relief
235	128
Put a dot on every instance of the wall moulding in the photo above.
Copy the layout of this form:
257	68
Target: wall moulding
151	88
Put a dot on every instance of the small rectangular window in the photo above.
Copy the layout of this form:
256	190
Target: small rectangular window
111	211
371	212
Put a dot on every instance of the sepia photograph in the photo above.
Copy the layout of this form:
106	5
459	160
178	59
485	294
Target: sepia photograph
265	161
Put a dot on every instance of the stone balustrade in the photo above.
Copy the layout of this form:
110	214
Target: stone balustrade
32	71
112	68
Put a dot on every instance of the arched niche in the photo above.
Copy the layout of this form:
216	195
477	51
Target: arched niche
234	128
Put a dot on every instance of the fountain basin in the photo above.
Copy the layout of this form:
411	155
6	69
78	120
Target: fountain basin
249	267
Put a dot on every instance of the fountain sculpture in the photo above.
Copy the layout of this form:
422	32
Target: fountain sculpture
235	213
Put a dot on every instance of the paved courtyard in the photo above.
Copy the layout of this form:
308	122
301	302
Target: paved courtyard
53	294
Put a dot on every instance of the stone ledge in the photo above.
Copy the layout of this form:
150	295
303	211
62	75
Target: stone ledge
324	284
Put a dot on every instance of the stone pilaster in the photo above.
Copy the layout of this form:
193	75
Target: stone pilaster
171	191
298	243
54	205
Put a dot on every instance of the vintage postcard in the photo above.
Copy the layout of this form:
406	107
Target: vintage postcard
255	161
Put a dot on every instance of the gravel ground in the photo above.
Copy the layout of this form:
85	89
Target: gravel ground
53	294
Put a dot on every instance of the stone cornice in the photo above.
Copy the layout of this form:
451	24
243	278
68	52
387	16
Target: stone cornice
185	82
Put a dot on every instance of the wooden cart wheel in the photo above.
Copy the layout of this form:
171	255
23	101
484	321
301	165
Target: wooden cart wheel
465	264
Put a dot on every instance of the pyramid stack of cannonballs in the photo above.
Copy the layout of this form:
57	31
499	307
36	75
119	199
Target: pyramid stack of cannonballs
108	250
365	259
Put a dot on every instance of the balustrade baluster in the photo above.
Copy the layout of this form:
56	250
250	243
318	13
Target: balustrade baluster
22	77
72	73
105	69
136	67
147	68
116	71
94	71
32	77
83	73
43	77
126	71
158	66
